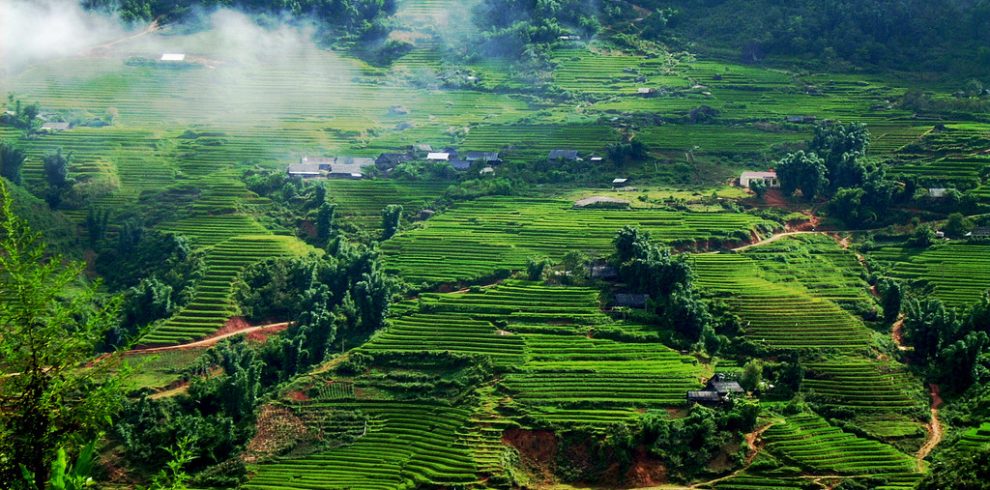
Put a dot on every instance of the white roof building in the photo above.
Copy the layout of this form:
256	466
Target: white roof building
173	57
769	177
438	157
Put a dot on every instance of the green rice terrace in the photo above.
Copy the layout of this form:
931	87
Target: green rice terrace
495	244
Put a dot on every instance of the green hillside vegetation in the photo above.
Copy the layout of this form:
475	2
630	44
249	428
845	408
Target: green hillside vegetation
437	320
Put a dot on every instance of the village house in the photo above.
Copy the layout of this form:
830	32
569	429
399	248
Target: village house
323	163
173	57
482	156
51	127
438	156
631	300
349	167
718	390
937	192
603	271
981	233
620	183
306	170
646	91
770	177
388	161
560	154
487	171
459	164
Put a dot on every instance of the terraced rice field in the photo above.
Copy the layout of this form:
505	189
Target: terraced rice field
976	437
957	273
811	443
474	240
778	315
863	385
362	201
399	445
212	305
558	371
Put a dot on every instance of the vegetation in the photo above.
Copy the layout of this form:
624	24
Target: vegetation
509	320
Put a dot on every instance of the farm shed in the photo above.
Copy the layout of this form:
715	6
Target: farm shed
459	164
723	387
305	170
979	233
388	161
631	300
603	271
322	162
54	126
482	156
438	157
646	91
487	171
558	154
937	192
619	183
173	57
350	167
770	177
704	397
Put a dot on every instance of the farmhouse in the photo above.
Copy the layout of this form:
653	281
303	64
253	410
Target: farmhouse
603	271
438	156
769	177
979	233
305	170
321	162
482	156
388	161
173	57
619	183
937	192
487	171
51	127
459	164
631	300
349	167
559	154
646	91
718	390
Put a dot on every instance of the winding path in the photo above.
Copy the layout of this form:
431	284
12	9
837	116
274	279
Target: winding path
211	341
934	428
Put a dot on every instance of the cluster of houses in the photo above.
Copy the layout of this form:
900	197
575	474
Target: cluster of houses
49	122
348	167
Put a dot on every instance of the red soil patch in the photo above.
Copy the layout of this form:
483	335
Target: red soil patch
261	336
537	450
297	396
233	324
278	430
646	470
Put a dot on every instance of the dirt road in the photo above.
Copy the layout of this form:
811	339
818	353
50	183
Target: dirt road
211	341
934	428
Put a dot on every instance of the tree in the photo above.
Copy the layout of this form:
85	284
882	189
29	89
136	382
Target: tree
759	187
391	216
11	161
324	221
752	375
804	171
842	147
56	166
891	295
923	237
50	324
537	267
957	225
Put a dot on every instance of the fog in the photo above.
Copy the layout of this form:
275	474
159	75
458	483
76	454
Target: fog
37	30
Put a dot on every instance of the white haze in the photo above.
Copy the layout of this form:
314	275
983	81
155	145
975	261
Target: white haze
37	30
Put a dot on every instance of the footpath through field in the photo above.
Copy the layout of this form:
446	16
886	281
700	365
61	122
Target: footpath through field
211	341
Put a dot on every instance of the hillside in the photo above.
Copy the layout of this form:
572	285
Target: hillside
511	244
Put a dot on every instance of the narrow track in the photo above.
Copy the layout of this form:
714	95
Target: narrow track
211	341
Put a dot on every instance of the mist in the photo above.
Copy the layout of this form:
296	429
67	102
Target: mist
39	30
